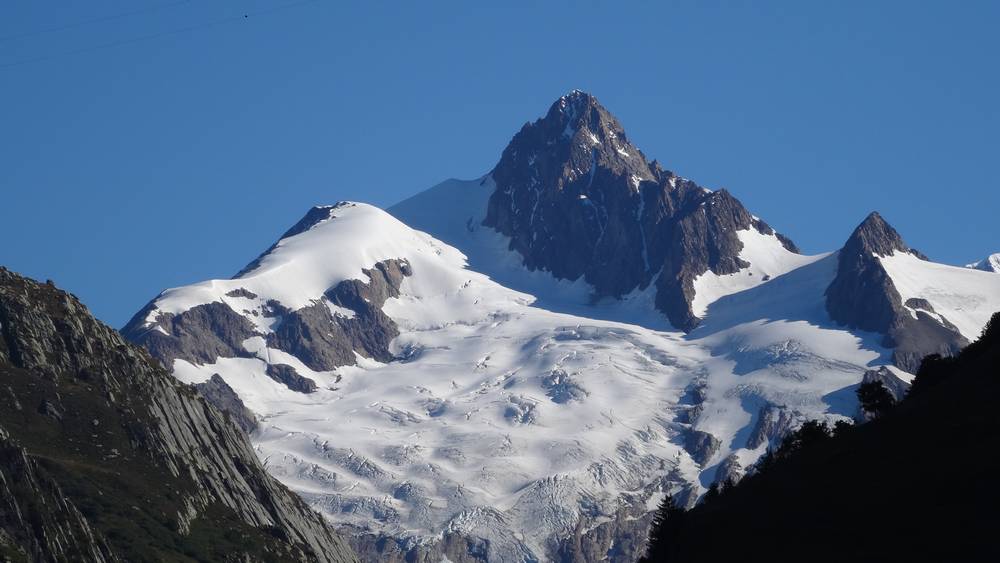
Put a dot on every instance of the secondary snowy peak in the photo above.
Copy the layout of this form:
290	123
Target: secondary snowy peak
316	295
314	216
309	259
578	200
884	286
989	264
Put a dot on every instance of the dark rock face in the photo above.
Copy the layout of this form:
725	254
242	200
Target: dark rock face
221	396
773	424
701	445
136	467
59	532
314	336
452	547
324	341
863	296
287	375
578	199
730	471
199	335
618	540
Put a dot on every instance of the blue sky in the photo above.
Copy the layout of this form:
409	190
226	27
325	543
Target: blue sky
186	147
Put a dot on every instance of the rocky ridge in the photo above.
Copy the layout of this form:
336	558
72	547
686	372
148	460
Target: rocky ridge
577	198
104	456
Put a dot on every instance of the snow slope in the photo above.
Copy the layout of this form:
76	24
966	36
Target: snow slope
773	349
502	419
965	297
519	409
768	258
302	267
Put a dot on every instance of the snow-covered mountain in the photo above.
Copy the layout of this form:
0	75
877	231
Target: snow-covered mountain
578	200
989	264
493	369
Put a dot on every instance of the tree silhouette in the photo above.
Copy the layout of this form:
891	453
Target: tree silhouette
665	526
875	399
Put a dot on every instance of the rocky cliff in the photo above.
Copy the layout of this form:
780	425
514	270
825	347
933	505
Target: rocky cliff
863	296
577	198
105	457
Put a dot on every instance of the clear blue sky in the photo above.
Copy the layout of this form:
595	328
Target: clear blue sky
170	160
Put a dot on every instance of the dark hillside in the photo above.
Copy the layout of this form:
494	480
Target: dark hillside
106	457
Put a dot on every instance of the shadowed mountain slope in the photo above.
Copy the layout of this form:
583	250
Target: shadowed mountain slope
106	457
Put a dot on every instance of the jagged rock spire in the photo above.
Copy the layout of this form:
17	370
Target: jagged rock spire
578	199
875	236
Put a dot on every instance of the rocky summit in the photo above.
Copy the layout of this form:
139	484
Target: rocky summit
578	199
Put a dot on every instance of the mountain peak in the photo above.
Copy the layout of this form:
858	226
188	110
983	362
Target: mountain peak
580	118
577	199
876	236
576	138
575	104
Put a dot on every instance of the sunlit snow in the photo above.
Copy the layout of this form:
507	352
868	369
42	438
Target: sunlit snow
518	405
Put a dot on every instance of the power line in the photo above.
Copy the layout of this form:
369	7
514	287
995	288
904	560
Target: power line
158	35
102	19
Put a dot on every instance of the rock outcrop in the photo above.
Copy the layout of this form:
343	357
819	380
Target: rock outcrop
773	424
324	341
578	199
701	445
348	319
104	456
199	335
221	396
730	471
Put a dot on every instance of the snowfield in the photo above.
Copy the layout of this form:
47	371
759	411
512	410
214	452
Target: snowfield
518	408
768	258
965	297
